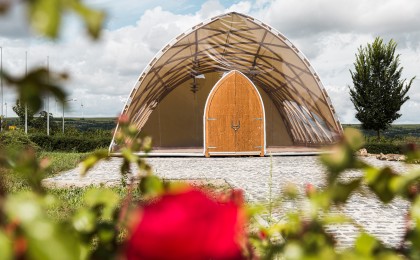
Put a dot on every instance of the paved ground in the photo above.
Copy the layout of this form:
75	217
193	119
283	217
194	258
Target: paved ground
252	174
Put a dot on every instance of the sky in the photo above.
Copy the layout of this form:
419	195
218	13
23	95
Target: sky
102	73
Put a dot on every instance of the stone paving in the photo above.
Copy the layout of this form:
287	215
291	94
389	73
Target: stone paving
252	174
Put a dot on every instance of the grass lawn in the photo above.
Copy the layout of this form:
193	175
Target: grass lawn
70	199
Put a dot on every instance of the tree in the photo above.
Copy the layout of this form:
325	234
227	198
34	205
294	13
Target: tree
378	92
40	122
20	111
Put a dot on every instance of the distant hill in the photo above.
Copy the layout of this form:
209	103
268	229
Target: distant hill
109	123
82	124
394	131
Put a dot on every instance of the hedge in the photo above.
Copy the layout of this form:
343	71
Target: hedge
15	140
69	143
383	148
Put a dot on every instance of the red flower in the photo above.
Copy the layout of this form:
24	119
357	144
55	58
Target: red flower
309	189
123	119
187	225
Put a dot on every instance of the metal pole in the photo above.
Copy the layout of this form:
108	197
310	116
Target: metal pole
63	117
48	97
26	105
1	79
83	112
73	99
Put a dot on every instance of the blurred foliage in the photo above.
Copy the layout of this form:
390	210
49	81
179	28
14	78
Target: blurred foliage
38	83
45	16
92	231
302	233
95	228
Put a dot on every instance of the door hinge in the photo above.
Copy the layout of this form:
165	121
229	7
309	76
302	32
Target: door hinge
258	118
210	118
258	146
211	147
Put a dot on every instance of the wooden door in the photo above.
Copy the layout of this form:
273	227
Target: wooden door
234	118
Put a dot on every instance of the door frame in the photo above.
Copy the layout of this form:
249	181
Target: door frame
205	112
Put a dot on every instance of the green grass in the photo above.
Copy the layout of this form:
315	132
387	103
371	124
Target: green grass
67	200
61	161
71	199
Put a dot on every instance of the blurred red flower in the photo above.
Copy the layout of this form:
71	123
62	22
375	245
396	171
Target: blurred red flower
188	225
309	189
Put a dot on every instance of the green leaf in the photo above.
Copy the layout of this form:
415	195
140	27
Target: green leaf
84	220
340	192
401	184
293	250
337	161
334	218
26	164
379	181
106	198
354	138
414	234
415	211
35	85
92	160
129	155
45	16
151	186
365	244
106	233
5	247
45	238
93	19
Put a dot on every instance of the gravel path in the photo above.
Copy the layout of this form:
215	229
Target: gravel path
252	174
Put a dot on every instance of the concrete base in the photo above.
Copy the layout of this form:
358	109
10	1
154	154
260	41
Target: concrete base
198	152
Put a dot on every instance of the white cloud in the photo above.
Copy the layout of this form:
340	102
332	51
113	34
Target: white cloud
13	24
314	16
241	7
328	32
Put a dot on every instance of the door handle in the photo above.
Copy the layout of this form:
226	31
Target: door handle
235	127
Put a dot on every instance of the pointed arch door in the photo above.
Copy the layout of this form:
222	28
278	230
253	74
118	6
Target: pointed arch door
234	118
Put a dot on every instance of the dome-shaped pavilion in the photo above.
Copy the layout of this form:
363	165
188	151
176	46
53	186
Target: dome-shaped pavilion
231	85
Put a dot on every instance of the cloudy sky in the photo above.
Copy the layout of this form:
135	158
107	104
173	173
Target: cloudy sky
102	73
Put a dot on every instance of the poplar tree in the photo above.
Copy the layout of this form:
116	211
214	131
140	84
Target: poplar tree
378	91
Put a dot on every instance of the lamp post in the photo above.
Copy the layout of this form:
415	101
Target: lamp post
83	112
1	83
73	99
26	105
48	97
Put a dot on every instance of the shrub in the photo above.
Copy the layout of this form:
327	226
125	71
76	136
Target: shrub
15	140
384	148
69	143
